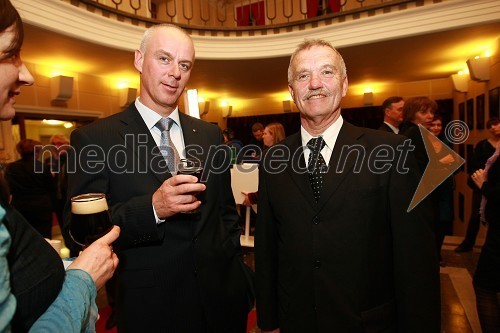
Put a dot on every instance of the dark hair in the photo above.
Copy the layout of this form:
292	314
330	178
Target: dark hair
437	117
229	133
257	127
393	99
10	17
27	147
416	104
492	121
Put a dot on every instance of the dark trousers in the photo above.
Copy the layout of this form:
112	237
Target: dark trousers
488	309
474	220
441	228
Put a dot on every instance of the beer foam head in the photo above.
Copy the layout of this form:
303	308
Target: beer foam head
90	203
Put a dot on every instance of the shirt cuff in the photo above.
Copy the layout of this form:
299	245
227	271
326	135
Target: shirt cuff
158	220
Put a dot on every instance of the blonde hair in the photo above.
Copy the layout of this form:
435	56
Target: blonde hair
149	32
277	131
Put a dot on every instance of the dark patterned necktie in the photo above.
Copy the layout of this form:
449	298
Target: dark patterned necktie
167	147
316	165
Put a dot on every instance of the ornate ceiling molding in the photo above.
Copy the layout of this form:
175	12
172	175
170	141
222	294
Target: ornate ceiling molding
64	18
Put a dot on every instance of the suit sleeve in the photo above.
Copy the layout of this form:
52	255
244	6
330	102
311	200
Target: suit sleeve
416	266
266	259
135	216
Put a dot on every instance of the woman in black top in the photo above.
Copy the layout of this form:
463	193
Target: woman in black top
487	275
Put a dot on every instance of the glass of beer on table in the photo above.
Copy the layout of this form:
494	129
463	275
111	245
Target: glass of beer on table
90	218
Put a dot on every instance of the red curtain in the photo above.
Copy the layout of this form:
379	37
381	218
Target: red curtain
314	5
248	13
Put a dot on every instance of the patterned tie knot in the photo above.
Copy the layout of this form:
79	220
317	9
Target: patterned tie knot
316	144
316	161
165	124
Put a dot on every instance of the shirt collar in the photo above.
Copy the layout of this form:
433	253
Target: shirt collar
150	117
329	135
393	128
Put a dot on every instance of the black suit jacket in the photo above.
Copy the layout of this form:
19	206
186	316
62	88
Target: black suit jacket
385	127
356	261
181	274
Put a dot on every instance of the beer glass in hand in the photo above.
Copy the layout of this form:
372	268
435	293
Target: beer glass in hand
90	218
193	167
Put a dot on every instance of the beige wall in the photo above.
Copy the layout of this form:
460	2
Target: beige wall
90	93
475	89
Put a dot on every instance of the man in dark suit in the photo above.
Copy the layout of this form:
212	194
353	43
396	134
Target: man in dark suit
393	114
336	249
180	270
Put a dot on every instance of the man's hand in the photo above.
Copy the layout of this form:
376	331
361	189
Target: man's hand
177	194
273	331
98	259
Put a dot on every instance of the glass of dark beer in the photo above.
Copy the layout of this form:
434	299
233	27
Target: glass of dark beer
90	218
194	167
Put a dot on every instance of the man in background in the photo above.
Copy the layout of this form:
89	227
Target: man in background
393	114
257	133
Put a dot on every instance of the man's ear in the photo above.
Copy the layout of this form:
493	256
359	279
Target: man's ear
139	58
344	86
290	89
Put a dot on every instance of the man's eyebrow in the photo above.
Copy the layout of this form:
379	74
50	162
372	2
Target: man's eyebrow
170	55
163	52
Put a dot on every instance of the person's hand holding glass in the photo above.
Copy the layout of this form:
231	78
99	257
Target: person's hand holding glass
182	193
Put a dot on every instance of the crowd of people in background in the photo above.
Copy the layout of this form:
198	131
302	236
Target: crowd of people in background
289	297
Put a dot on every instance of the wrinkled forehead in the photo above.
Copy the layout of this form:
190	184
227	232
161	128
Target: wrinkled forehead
316	55
171	38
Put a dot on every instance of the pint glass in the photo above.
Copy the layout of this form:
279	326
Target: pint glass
90	218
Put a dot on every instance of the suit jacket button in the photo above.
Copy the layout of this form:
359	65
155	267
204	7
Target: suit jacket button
317	264
194	239
316	220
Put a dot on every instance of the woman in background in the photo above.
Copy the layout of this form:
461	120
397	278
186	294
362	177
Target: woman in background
420	111
487	275
273	133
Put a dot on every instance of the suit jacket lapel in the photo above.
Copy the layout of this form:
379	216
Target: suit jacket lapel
191	134
340	164
135	133
297	168
193	138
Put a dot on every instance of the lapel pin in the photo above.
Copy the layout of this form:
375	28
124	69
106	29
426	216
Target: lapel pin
194	130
